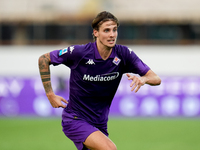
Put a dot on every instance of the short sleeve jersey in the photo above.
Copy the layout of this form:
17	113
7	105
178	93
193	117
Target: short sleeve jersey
94	81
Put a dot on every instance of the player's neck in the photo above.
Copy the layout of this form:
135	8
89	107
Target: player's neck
103	50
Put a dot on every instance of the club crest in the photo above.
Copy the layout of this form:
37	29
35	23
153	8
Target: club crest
116	60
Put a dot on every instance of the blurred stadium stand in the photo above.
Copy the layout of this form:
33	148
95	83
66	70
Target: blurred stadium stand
27	22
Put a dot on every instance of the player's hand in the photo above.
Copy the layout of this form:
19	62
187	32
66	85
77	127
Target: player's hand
136	83
56	101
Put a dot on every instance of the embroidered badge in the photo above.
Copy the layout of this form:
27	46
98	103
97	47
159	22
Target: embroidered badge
116	60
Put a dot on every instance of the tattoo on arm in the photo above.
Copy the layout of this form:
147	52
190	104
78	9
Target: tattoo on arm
45	73
46	79
44	62
47	87
45	76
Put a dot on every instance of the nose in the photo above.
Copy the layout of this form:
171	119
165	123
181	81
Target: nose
112	33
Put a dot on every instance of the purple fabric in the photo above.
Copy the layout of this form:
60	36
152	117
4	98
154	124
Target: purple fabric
94	81
78	130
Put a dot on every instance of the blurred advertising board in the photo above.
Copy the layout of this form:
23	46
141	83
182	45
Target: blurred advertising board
175	97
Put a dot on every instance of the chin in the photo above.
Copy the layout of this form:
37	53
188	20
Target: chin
111	45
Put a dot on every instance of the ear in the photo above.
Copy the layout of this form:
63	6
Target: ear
95	33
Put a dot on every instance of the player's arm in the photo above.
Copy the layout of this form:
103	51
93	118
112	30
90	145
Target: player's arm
149	78
44	63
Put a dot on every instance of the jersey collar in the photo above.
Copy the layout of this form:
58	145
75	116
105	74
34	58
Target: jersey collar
97	55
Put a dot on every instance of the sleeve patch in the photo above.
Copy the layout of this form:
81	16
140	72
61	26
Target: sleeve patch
63	51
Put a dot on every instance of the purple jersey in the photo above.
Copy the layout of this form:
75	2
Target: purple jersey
94	81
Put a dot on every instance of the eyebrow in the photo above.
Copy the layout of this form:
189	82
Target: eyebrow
108	27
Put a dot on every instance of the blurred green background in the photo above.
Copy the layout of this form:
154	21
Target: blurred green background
126	133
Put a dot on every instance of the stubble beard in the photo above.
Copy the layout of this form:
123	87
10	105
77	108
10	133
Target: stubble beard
106	46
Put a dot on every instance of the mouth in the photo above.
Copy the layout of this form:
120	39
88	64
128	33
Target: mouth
111	41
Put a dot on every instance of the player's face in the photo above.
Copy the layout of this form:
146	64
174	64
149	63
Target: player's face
107	34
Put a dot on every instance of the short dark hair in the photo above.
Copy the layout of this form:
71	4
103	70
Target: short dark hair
101	18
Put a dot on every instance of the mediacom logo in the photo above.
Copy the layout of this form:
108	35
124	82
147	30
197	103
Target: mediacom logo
103	77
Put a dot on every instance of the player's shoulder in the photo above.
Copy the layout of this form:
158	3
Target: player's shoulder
76	49
122	49
83	46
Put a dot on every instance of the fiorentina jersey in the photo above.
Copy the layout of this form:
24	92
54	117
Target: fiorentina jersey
94	81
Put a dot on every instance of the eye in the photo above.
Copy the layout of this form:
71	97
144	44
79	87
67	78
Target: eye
114	30
106	30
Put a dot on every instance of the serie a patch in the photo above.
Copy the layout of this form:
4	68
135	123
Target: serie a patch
63	51
116	60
